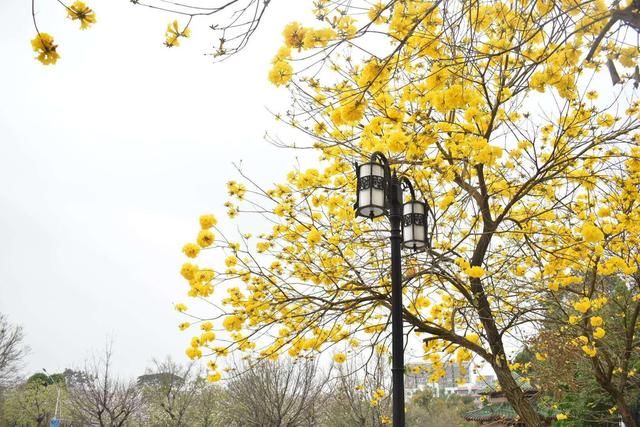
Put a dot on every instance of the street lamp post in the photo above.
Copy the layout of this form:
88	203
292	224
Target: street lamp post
379	192
55	421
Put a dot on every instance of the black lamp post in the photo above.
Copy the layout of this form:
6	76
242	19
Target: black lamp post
379	193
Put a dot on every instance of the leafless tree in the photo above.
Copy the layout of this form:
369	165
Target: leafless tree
12	350
276	393
209	406
99	398
170	392
360	394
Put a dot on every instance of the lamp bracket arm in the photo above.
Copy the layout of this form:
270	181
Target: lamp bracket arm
377	155
406	183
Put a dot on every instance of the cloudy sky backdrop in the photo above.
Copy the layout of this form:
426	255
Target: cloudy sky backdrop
106	161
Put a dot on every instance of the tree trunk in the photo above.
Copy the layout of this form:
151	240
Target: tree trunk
514	394
625	412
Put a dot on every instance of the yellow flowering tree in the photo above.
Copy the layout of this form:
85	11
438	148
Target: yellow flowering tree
589	343
491	109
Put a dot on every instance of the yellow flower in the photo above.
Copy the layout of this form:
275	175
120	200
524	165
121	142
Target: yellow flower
235	189
314	237
206	326
375	13
590	351
339	358
232	323
43	44
173	33
280	73
294	35
596	321
205	238
561	417
263	246
583	305
318	38
591	95
215	377
188	270
80	12
191	250
606	120
574	319
231	261
232	211
193	353
474	338
541	357
591	233
184	325
475	271
207	221
207	336
599	333
181	307
221	351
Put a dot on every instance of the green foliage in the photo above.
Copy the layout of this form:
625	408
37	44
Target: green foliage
574	383
31	404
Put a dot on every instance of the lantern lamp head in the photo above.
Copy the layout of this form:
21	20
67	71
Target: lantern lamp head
372	185
414	225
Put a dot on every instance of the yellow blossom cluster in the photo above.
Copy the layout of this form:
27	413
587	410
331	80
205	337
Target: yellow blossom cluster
174	33
44	45
79	11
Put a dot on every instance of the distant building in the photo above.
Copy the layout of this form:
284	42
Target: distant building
457	380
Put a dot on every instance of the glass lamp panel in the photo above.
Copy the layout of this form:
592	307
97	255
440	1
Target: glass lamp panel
417	207
407	233
419	240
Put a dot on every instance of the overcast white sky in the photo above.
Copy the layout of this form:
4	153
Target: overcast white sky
106	161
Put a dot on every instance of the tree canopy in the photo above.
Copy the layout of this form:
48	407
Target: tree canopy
495	110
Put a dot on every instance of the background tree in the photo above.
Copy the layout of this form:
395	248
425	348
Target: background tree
170	393
33	403
591	358
98	397
209	406
426	409
275	393
446	90
567	384
12	351
360	394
